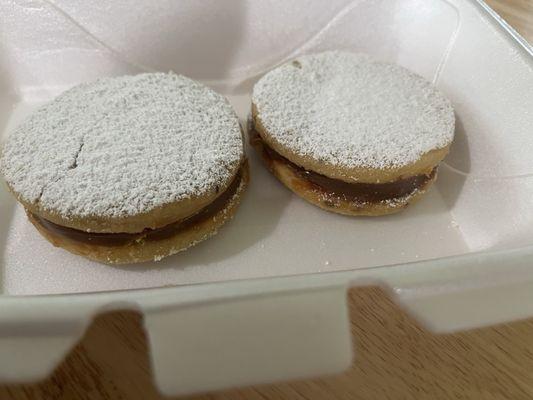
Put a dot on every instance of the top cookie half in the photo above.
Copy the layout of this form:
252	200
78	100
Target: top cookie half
124	154
351	117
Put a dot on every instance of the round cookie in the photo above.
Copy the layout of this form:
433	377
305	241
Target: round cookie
130	155
349	133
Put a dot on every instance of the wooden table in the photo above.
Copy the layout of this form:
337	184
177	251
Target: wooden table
396	359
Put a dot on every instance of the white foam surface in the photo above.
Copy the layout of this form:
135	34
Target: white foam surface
482	199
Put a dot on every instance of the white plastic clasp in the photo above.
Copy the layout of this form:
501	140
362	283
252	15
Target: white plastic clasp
249	340
35	338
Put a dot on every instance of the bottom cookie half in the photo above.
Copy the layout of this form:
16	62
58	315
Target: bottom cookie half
340	197
148	245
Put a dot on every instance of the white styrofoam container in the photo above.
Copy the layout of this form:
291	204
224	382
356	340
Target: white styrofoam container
265	300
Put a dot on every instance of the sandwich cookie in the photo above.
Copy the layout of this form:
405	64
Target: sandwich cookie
351	134
128	169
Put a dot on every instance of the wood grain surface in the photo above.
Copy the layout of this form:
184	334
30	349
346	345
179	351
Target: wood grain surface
519	13
395	358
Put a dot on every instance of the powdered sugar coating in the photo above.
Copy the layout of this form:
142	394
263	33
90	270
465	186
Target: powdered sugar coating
122	146
350	110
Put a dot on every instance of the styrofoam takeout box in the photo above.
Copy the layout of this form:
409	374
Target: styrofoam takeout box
459	259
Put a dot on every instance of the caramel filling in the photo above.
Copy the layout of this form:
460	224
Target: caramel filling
122	239
356	192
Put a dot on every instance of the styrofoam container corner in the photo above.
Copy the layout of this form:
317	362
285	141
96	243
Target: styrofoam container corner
265	300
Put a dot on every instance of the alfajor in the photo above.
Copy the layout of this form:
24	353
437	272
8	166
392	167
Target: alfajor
128	169
349	133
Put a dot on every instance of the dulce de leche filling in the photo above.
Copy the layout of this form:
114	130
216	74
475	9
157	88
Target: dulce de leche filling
122	239
355	192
